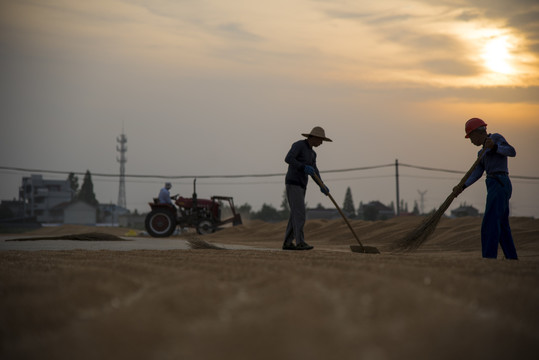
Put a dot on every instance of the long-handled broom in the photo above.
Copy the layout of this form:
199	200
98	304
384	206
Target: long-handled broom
418	236
355	248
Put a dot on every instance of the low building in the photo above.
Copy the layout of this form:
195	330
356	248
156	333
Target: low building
464	210
375	210
79	213
321	213
11	209
12	217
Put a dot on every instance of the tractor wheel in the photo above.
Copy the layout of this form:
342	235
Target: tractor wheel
160	223
205	227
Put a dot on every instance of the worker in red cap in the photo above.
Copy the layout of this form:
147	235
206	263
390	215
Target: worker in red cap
495	227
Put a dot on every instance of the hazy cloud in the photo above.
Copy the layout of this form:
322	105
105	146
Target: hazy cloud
236	31
430	42
522	15
451	67
483	95
528	22
468	15
371	18
342	14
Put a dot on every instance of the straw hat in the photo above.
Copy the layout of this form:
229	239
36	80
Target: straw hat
318	132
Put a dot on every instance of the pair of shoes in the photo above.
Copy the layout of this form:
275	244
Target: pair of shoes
304	246
289	246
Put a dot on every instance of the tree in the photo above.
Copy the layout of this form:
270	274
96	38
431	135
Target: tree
73	184
245	210
5	212
86	192
404	207
267	213
348	204
416	209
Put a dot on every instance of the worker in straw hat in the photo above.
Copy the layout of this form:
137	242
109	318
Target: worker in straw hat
301	160
495	226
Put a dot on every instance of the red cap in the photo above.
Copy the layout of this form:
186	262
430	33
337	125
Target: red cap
473	124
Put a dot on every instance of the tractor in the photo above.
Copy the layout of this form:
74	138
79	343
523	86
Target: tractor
202	214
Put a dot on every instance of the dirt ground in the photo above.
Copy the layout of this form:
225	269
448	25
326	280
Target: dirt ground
442	301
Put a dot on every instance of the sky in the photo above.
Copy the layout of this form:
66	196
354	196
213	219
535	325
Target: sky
214	87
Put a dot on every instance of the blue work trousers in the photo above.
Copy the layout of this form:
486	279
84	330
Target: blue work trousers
296	221
495	227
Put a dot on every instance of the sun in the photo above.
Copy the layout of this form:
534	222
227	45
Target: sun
497	55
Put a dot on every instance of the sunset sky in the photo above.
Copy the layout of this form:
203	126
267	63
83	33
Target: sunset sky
211	87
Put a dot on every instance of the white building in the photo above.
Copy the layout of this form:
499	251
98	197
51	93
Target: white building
41	198
80	213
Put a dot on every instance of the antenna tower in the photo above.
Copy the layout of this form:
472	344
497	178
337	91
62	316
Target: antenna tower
122	149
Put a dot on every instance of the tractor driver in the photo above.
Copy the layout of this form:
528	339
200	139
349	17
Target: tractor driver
164	194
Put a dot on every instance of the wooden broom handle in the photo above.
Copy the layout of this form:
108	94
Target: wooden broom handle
453	195
467	175
321	184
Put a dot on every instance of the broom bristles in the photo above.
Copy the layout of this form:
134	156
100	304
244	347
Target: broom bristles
418	236
198	244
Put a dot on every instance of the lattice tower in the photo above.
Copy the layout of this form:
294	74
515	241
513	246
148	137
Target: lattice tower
122	159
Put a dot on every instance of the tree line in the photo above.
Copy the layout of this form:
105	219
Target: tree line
271	214
86	191
266	213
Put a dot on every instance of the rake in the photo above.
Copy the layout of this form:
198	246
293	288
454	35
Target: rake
418	236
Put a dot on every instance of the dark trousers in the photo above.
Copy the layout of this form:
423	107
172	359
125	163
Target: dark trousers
296	221
495	227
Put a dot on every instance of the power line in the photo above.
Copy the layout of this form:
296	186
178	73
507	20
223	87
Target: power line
431	169
460	172
142	176
183	176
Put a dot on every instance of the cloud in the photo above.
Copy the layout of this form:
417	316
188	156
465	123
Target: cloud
341	14
451	67
429	42
236	31
499	94
437	53
372	18
468	15
522	15
528	22
501	8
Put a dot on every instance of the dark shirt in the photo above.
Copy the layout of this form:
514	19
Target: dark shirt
300	154
494	161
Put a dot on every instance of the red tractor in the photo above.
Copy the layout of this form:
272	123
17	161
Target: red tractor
202	214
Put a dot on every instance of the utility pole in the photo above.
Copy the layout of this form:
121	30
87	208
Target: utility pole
397	185
422	201
122	149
